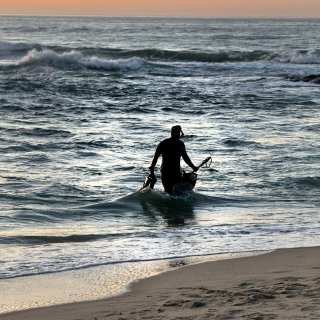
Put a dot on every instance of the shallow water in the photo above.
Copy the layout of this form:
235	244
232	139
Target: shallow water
84	102
88	284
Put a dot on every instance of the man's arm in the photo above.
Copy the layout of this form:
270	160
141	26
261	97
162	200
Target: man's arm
187	160
155	158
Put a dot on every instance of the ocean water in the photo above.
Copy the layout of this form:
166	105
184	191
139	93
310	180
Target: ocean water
84	101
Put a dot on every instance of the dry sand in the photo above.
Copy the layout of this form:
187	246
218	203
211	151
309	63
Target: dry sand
284	284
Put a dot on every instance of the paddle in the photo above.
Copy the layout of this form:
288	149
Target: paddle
205	161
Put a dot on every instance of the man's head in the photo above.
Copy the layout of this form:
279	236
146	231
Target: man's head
176	131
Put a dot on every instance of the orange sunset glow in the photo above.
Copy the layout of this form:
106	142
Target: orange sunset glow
212	8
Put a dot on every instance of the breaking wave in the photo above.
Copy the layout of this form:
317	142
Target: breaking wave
124	60
74	59
296	57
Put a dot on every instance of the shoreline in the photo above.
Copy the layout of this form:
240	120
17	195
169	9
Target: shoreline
283	284
91	283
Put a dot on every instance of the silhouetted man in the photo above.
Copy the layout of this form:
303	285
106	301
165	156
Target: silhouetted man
171	149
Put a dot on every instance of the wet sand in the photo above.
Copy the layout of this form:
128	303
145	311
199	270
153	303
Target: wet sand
284	284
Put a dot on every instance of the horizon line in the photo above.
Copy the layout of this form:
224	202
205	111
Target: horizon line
156	16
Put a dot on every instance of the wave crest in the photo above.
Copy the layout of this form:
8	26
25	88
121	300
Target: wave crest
74	59
296	57
16	46
283	56
130	60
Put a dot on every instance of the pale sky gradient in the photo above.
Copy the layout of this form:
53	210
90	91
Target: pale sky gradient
212	8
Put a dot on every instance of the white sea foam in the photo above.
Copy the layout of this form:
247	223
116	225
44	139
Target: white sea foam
77	59
296	57
133	63
50	58
305	58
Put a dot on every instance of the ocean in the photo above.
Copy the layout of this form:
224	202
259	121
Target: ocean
84	101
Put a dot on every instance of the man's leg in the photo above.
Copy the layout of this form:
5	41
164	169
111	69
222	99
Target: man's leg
167	183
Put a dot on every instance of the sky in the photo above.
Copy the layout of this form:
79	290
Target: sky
205	8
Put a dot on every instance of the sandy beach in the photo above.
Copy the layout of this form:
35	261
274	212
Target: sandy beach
284	284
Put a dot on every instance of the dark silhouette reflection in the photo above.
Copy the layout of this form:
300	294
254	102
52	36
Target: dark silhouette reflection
175	211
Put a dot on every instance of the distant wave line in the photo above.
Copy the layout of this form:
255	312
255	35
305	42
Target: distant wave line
127	60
